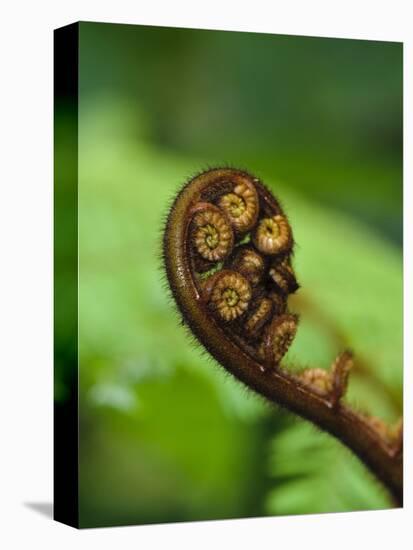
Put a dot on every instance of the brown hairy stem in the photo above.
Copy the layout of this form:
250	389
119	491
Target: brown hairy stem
218	308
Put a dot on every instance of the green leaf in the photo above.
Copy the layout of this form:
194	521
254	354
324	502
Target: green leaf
313	473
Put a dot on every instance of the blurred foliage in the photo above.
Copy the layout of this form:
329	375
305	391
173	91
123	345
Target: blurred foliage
322	115
165	433
313	474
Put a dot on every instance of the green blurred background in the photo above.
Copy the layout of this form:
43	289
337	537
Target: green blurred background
165	434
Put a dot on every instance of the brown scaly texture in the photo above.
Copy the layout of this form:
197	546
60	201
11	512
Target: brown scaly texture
228	249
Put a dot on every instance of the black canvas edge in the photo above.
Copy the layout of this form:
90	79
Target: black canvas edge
66	375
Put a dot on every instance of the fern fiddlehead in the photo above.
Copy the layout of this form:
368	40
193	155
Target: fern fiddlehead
227	250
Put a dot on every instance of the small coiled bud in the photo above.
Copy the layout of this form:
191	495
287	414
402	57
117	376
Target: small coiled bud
319	380
273	235
249	263
260	316
279	303
229	293
340	372
278	338
212	235
241	206
283	276
378	425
